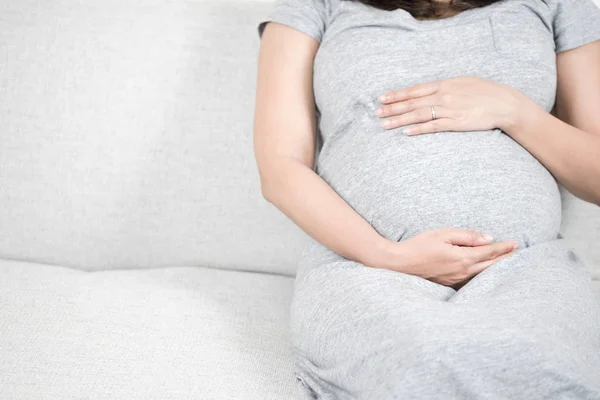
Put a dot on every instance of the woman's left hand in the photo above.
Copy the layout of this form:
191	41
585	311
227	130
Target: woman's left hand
459	104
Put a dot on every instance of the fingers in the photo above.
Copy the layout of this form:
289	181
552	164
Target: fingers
479	267
475	269
411	92
489	252
465	237
417	116
438	125
407	106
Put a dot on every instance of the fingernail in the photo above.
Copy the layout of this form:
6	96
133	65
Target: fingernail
405	131
379	112
516	245
386	124
383	98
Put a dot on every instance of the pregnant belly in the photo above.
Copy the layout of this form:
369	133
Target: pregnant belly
482	180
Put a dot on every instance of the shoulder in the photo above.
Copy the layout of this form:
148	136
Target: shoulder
571	7
311	17
574	22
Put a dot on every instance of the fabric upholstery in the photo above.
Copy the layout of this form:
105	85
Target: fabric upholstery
127	137
581	227
167	333
596	285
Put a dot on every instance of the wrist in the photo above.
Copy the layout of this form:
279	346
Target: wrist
388	254
521	108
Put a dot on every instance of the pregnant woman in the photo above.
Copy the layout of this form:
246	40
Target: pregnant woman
436	268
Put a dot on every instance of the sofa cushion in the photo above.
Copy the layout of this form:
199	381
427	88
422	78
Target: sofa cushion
581	228
127	137
596	286
172	333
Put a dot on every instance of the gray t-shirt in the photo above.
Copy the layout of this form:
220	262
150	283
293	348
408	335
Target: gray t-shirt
405	185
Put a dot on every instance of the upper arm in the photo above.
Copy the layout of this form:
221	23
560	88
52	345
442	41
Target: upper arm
285	113
576	26
285	117
578	92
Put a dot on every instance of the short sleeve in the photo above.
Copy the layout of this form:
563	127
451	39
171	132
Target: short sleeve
576	23
306	16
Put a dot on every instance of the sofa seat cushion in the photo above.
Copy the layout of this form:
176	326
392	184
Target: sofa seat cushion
165	333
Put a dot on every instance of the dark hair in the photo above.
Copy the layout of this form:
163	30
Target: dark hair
426	9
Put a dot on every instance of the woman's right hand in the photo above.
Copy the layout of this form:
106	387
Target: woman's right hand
448	256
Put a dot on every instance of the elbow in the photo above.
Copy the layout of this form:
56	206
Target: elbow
276	177
266	193
265	181
271	194
268	189
272	179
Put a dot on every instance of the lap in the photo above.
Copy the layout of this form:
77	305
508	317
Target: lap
540	287
352	324
337	294
545	288
547	270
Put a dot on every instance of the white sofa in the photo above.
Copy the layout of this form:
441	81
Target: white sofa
138	259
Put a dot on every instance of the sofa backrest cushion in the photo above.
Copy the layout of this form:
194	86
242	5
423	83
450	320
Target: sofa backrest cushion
126	136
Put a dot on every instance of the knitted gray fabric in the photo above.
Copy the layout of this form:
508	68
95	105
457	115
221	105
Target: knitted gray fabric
526	328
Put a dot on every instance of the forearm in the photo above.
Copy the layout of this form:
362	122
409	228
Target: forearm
570	154
316	208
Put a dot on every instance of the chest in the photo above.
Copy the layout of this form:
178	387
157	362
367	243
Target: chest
366	51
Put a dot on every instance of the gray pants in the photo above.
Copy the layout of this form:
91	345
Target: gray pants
528	328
